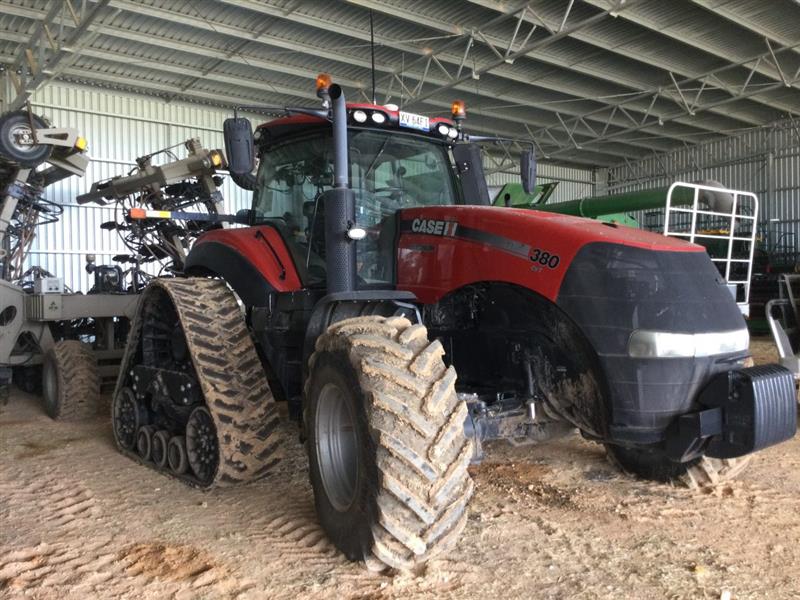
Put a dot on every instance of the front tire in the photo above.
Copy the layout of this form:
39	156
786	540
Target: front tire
653	465
388	457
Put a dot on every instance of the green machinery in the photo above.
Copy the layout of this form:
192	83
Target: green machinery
611	209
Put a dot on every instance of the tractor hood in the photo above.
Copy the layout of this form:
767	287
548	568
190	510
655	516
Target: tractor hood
629	292
526	226
465	244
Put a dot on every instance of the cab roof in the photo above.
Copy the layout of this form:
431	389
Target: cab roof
282	126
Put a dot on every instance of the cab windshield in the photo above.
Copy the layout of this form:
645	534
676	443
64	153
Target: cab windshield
388	171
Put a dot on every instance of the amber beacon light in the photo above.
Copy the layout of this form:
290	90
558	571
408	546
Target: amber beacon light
323	81
458	109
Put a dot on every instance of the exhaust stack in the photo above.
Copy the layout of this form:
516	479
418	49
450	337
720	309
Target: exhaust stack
340	211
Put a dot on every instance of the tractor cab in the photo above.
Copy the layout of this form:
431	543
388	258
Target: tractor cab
391	167
368	163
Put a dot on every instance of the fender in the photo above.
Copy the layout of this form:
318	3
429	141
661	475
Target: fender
248	257
220	259
344	305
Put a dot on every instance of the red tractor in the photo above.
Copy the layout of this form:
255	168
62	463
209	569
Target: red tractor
373	270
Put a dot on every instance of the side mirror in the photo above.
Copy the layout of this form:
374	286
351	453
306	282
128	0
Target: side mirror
469	164
527	169
238	133
245	216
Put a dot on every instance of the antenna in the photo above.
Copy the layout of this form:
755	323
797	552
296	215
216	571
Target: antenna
372	52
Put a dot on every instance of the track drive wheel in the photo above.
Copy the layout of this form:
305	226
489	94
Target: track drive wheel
387	453
70	381
652	465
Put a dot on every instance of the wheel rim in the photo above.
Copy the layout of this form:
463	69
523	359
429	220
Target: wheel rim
202	448
20	137
336	447
126	418
50	387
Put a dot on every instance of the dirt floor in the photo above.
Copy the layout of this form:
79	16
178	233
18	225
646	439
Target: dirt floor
78	520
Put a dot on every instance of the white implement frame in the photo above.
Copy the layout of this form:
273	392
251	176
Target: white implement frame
743	202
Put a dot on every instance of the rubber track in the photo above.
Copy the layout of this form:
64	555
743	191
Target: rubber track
229	371
417	425
78	380
708	472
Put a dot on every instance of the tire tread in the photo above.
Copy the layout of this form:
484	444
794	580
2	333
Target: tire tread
416	423
78	380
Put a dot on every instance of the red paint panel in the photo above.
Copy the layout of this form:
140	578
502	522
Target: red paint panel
248	242
433	265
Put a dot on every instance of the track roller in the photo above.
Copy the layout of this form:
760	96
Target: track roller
144	442
159	450
176	455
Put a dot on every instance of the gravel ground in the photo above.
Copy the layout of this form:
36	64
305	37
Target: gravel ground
78	520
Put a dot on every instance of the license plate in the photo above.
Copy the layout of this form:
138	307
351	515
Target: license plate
413	121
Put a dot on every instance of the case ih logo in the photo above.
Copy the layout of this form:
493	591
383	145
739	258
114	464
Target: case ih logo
434	227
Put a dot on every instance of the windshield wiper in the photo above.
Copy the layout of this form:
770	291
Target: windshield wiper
377	156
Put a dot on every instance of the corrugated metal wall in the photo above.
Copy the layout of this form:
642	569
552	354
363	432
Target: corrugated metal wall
765	161
119	128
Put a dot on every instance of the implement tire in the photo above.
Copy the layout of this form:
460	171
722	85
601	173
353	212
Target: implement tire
16	124
651	464
70	382
387	453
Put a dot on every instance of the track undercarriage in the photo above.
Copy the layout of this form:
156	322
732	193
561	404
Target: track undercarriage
194	400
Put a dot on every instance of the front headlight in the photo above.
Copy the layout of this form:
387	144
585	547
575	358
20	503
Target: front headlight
664	344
